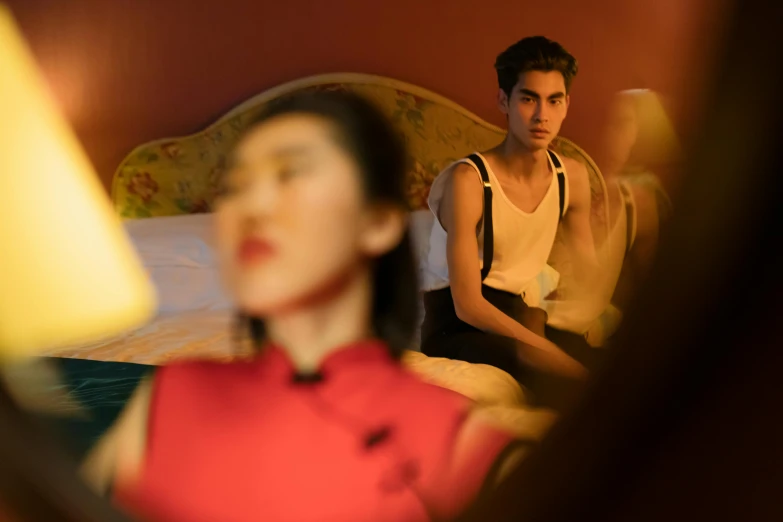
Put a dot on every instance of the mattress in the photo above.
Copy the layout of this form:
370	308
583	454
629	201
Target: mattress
208	334
205	334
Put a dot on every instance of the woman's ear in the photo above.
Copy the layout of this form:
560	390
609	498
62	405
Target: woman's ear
383	229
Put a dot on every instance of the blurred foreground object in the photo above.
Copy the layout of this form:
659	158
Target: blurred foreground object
36	386
68	274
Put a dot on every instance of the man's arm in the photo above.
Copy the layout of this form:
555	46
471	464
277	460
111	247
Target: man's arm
576	222
464	191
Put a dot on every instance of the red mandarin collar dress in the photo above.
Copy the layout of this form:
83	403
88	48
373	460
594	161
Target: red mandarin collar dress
360	440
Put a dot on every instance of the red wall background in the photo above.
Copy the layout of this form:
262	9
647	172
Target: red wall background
129	71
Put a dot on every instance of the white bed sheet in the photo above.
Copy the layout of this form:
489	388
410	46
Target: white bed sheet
202	334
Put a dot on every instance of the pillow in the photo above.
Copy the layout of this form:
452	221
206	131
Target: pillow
179	256
420	224
482	383
174	241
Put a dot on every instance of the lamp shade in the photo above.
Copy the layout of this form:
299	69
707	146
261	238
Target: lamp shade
68	273
657	142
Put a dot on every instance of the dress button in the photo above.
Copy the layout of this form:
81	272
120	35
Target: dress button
307	378
400	477
377	437
410	471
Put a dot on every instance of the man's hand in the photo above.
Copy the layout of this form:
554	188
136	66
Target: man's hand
546	355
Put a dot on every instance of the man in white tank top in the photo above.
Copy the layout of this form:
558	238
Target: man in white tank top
477	304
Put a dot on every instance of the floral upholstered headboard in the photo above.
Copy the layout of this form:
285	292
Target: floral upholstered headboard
182	175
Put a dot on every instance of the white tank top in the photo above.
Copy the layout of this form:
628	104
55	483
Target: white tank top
522	240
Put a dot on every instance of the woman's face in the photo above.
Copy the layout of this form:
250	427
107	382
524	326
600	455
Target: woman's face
293	225
621	132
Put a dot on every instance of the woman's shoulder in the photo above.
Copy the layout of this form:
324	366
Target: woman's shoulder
455	445
204	368
196	384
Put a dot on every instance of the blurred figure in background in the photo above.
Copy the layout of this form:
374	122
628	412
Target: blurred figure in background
638	137
640	140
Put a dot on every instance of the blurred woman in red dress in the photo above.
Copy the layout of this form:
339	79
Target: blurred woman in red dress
323	424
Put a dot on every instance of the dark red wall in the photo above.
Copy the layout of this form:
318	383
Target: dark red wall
127	71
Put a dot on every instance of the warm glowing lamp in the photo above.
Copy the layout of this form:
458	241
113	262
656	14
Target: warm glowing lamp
657	142
68	273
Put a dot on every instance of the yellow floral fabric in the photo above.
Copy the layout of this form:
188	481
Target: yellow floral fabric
183	175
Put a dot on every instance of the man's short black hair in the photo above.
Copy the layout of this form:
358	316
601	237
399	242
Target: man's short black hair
535	53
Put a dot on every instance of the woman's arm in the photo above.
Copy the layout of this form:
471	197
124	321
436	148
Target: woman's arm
464	191
120	452
523	430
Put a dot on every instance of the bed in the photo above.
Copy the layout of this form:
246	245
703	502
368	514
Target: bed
165	190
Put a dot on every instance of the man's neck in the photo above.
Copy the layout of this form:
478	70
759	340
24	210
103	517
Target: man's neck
522	162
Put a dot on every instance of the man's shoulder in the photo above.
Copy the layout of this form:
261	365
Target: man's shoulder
463	167
574	168
465	174
459	176
578	183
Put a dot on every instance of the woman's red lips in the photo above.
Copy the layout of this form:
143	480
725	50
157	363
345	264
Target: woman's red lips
254	249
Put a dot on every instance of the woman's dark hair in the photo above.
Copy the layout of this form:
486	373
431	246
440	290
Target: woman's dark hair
535	53
368	136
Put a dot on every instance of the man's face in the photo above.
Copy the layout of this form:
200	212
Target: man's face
536	108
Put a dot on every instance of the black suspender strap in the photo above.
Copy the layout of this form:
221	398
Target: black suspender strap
629	215
489	240
560	181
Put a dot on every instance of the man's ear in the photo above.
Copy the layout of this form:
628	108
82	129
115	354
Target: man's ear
503	101
384	228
